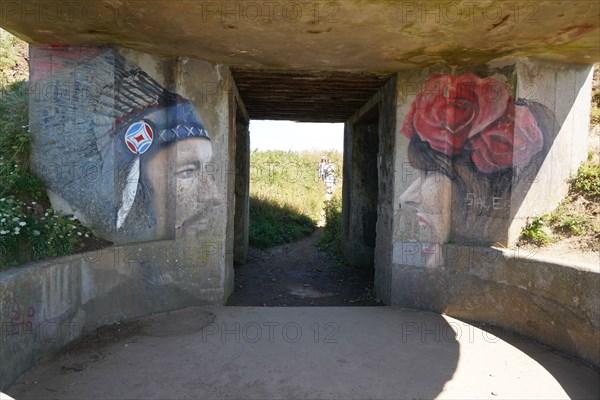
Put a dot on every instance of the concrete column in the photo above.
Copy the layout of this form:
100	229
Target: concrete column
367	212
174	216
462	194
359	204
564	90
242	189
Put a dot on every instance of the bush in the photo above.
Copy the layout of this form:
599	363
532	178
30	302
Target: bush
14	144
587	181
27	234
537	232
331	238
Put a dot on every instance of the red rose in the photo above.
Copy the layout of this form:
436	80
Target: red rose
511	141
450	109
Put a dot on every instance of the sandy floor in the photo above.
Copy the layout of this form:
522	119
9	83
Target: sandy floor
308	353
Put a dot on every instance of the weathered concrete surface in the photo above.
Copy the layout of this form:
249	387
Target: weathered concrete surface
559	95
368	192
359	208
203	206
312	353
46	305
551	301
241	219
566	90
322	35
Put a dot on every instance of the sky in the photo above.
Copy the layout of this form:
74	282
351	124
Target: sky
296	136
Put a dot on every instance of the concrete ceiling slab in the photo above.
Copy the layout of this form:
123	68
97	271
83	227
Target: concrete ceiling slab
305	96
330	35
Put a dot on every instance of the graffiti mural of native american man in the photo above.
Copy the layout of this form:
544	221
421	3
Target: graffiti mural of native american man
114	146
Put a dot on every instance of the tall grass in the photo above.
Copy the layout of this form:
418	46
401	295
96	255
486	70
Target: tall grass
286	195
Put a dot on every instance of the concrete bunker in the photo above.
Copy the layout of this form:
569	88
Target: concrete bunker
530	90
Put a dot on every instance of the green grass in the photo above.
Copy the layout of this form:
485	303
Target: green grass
272	224
587	181
286	196
536	232
569	218
14	144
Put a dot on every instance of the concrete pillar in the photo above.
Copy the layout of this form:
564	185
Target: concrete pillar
462	196
564	90
479	185
459	191
159	138
367	209
242	189
359	215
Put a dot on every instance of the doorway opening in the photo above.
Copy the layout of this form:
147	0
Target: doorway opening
360	200
279	269
294	257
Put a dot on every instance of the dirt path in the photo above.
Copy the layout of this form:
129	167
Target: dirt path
299	274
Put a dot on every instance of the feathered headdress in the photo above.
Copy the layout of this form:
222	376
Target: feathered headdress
95	117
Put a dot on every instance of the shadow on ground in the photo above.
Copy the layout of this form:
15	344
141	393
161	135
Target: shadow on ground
300	274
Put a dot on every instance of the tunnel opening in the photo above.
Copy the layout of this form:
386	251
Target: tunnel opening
333	97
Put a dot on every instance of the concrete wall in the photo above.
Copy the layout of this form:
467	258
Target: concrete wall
553	302
45	305
459	190
194	265
181	192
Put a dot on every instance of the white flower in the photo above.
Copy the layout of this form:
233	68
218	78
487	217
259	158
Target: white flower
17	230
3	232
15	219
22	223
33	203
3	220
86	235
2	199
36	232
45	215
78	233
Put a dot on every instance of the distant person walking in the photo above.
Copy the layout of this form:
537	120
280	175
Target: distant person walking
322	165
330	179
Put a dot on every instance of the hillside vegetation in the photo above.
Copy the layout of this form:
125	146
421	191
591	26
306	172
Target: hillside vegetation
286	196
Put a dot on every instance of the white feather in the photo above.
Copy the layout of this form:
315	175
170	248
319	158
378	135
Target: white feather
133	178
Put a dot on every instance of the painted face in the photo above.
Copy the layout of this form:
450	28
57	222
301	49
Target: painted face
430	196
194	187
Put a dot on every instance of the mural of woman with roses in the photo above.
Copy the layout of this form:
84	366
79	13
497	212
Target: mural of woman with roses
473	145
